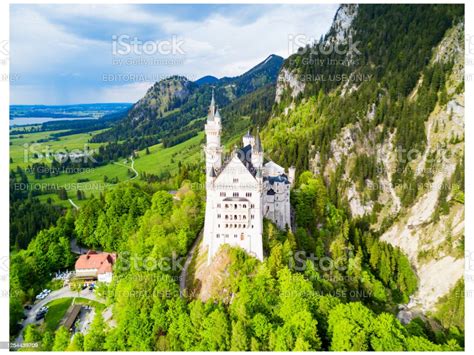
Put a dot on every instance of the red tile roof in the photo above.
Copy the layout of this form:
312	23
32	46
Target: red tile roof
102	262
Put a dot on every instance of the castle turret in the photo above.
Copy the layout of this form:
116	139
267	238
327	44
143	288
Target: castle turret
257	152
213	147
248	139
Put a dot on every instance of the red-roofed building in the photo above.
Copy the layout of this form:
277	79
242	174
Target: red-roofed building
94	266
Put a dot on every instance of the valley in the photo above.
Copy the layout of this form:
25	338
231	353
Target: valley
371	256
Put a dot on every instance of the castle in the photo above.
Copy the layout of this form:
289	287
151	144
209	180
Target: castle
241	191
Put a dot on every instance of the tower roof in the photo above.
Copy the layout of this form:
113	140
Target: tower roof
212	108
217	114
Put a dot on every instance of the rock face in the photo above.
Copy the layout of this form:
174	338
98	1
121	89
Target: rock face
162	97
288	81
433	247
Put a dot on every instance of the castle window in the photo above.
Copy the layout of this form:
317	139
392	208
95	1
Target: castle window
217	235
236	181
226	205
235	235
235	216
235	225
222	194
248	194
236	194
244	217
218	215
218	205
242	236
252	206
226	225
252	216
244	206
235	206
252	225
226	217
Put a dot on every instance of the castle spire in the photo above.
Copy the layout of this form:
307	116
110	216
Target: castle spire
258	143
212	108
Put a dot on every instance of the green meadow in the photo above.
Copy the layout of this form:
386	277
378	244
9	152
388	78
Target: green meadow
91	180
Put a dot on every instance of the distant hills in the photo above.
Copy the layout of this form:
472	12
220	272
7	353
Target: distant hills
172	107
208	79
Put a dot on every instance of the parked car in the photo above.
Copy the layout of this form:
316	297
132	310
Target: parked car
44	309
40	315
28	307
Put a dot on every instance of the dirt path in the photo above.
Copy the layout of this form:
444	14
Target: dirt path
132	166
73	204
189	258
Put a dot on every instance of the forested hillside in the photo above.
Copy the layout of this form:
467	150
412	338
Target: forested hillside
374	258
171	105
382	121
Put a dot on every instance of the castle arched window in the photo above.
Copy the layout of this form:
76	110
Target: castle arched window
248	194
235	206
235	216
218	215
244	217
236	180
222	194
218	236
235	194
226	217
226	205
244	206
252	206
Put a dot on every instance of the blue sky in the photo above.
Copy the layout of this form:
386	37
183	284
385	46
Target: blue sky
63	54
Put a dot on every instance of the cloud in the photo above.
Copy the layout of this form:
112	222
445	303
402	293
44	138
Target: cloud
67	49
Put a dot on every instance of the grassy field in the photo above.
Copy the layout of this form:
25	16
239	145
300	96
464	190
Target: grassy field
58	308
91	180
166	159
23	147
56	312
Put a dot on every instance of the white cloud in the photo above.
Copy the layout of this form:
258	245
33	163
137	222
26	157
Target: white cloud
49	54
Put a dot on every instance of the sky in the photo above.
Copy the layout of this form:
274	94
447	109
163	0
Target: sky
68	54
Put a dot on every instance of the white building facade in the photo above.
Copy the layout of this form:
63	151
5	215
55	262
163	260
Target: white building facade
241	192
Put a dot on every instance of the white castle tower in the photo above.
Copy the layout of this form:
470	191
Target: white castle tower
241	192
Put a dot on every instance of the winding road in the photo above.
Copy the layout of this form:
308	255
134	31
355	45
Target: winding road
189	258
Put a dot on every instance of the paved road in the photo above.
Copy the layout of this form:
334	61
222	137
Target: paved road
184	272
64	292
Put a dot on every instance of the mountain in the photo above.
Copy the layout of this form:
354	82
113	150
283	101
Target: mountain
376	108
208	79
260	75
173	106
